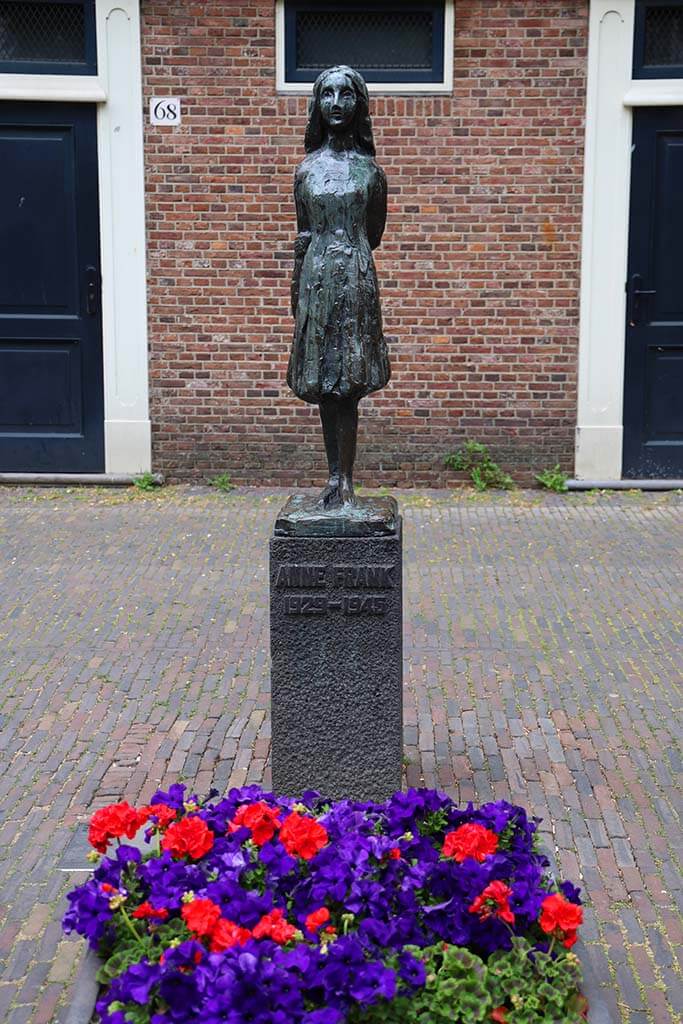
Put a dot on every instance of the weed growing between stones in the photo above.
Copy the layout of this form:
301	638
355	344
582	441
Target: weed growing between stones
474	458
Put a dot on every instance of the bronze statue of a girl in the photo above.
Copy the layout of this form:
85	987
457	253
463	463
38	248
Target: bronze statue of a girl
339	354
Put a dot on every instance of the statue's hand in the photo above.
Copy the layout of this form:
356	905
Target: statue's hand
301	244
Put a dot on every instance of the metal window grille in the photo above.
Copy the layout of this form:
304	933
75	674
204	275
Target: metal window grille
658	39
387	42
51	37
365	39
663	36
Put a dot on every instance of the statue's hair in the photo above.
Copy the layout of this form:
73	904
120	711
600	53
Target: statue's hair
316	131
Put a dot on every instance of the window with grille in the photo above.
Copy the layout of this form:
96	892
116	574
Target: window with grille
387	42
56	37
658	39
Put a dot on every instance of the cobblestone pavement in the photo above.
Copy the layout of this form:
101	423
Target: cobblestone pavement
543	652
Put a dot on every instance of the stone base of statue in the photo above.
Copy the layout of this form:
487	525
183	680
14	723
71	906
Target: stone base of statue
336	649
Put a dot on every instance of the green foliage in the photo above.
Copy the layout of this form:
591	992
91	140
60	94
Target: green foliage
132	945
554	479
434	823
146	482
222	482
536	989
118	962
507	835
133	1013
474	458
463	989
255	873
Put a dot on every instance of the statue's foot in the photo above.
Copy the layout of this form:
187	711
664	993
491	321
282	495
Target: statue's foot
329	496
346	491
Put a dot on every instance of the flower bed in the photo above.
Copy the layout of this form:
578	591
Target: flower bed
257	909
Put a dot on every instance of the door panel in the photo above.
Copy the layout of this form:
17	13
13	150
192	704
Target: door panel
51	392
52	400
653	381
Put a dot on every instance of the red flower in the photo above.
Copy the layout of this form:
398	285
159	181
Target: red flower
162	812
499	1015
493	902
113	822
274	926
106	887
147	912
302	836
189	837
560	918
262	821
316	919
395	853
227	934
201	916
470	840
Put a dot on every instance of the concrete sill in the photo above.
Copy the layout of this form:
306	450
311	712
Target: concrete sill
624	485
78	479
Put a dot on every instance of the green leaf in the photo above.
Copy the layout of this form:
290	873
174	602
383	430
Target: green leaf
118	963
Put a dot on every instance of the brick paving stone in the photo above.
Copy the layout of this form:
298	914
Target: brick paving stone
543	656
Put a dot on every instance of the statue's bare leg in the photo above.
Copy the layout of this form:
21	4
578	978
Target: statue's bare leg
329	496
347	434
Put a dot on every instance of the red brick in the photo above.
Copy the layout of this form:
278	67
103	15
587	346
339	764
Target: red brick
479	268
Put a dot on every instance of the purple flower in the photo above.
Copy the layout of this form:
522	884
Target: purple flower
89	912
180	992
411	970
139	980
570	892
328	1016
175	797
373	982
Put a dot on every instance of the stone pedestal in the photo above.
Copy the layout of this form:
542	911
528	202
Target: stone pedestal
336	652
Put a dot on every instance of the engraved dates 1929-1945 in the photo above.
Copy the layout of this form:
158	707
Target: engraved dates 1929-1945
347	604
335	579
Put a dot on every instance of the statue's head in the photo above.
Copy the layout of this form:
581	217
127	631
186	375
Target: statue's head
339	104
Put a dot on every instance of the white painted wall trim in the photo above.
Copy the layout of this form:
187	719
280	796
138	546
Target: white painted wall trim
127	431
61	88
117	89
395	88
655	92
607	168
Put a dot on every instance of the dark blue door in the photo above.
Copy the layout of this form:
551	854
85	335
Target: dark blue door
51	390
653	385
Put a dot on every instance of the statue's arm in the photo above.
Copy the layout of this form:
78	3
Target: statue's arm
377	208
302	240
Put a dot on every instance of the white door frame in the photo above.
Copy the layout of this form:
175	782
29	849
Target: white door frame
611	96
117	90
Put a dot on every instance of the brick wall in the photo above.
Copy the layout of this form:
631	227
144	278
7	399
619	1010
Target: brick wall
479	267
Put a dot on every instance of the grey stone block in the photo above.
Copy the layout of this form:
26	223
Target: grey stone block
85	990
336	665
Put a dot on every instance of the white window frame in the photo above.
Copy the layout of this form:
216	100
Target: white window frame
117	90
400	88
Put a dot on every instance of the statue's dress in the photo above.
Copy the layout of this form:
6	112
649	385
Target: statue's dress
338	348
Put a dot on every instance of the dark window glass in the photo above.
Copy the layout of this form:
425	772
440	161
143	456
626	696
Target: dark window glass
380	39
52	37
663	35
658	39
399	42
